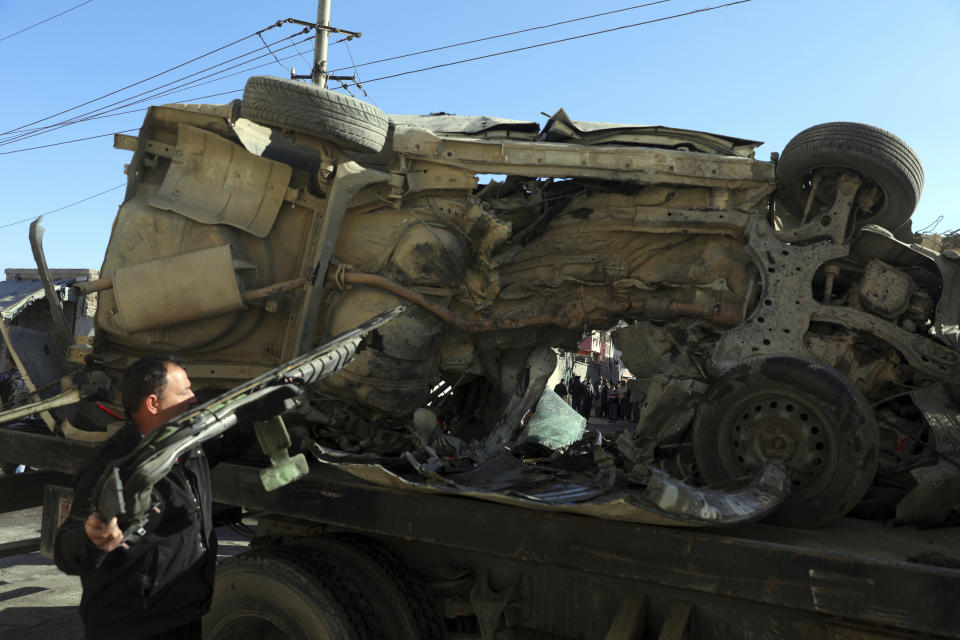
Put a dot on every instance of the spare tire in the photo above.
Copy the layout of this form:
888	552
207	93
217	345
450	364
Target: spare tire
882	159
307	108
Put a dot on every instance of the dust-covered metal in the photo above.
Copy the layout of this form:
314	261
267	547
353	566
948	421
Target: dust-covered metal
725	272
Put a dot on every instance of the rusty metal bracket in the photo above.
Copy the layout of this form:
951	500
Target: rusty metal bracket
628	622
491	606
350	179
677	624
325	27
786	307
934	359
830	224
783	312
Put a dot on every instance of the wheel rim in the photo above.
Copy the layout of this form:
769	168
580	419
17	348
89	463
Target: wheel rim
783	424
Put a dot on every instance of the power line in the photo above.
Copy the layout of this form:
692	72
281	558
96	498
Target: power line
544	44
104	135
153	93
271	52
139	82
57	144
99	117
66	206
259	33
37	24
502	35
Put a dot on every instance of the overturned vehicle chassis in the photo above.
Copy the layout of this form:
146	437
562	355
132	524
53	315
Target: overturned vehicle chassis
798	358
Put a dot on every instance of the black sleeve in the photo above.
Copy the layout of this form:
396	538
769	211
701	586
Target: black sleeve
232	443
72	550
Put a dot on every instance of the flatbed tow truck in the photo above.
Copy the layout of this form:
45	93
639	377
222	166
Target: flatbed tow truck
789	340
557	575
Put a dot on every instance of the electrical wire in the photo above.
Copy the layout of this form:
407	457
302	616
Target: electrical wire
197	82
356	75
307	62
544	44
156	92
147	79
167	90
37	24
57	144
106	115
66	206
153	93
502	35
271	51
930	228
104	135
84	117
150	94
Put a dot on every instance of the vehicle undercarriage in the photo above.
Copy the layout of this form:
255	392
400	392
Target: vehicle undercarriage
799	361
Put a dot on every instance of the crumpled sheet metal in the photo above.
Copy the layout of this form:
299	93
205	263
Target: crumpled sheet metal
938	486
483	126
560	128
947	319
665	501
17	295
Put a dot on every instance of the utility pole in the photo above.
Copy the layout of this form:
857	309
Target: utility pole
319	73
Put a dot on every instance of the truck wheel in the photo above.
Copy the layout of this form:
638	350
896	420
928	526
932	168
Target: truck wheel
279	595
288	104
396	595
801	412
890	170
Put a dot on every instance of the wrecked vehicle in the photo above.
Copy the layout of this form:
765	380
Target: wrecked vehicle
797	356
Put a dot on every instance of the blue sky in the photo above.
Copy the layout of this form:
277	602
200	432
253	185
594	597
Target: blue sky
764	70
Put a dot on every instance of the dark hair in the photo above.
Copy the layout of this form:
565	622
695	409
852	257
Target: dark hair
144	377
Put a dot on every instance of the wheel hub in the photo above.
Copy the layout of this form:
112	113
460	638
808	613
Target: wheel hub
782	425
870	200
776	440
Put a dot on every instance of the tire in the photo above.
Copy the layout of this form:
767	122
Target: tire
282	594
803	413
398	598
879	157
307	108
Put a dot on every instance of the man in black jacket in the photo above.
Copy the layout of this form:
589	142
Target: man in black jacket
161	585
577	391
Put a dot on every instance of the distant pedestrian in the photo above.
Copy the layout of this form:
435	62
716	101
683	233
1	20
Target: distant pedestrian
561	390
577	392
587	399
625	401
613	403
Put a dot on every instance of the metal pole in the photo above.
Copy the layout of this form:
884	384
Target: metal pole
319	73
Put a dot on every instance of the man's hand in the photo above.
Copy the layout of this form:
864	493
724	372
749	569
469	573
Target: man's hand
104	535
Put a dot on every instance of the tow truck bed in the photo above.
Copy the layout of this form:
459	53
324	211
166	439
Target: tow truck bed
853	579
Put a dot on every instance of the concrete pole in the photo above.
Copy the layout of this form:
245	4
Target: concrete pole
319	73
